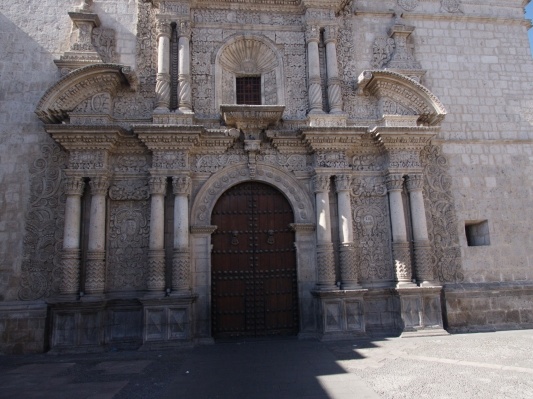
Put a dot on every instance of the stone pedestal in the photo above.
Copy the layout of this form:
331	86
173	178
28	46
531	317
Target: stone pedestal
421	311
340	314
167	322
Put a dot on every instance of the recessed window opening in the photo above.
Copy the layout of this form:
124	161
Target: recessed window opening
248	90
477	233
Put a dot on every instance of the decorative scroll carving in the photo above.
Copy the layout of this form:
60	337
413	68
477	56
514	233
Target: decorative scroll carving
131	163
372	238
246	17
382	50
367	162
146	49
408	5
125	190
368	187
129	230
451	6
104	43
441	216
331	159
404	159
98	104
41	266
87	160
170	160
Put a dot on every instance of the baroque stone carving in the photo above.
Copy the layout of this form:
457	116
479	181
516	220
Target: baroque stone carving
408	5
170	160
368	187
41	266
331	159
382	50
125	190
451	6
128	245
131	163
440	214
104	43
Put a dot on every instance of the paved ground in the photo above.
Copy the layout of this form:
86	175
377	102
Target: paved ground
488	365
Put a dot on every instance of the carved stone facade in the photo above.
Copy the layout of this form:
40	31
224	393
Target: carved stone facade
139	137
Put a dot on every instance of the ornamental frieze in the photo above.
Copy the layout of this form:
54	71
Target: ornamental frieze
125	190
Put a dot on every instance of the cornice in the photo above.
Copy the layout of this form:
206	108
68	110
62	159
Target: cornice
332	139
95	137
168	137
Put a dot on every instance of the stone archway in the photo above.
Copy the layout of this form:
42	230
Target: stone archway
303	226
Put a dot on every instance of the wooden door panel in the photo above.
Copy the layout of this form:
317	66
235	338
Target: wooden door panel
254	287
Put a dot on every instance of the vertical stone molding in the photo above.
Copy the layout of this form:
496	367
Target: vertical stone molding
162	87
400	244
312	36
156	254
70	258
95	266
181	273
348	265
425	274
334	82
184	62
325	255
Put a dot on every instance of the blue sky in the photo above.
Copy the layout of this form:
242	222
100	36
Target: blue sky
529	15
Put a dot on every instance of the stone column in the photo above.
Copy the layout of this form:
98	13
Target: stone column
400	243
424	271
184	62
312	36
162	86
156	252
334	83
325	256
95	266
181	271
348	264
70	258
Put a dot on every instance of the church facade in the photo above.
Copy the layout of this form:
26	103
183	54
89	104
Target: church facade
181	171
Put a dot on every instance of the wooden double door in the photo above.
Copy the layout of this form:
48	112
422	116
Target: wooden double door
253	264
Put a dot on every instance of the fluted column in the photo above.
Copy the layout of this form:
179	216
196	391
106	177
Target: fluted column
70	257
184	62
348	264
162	86
400	243
312	36
181	271
334	82
95	266
425	274
325	256
156	252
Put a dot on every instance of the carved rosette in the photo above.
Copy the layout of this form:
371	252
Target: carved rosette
423	262
394	182
99	185
74	186
325	266
321	183
95	272
156	270
181	271
348	266
182	185
70	270
402	262
157	185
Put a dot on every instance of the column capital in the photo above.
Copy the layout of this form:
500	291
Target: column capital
321	183
74	185
163	28
394	182
312	33
343	183
158	185
415	182
330	34
181	185
184	29
99	185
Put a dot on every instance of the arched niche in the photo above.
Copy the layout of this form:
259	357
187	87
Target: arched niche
78	86
409	96
249	55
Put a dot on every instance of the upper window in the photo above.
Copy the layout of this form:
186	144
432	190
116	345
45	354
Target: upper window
248	90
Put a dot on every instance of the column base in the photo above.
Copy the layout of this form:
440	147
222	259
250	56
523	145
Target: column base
421	311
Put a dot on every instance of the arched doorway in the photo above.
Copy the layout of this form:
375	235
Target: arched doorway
253	264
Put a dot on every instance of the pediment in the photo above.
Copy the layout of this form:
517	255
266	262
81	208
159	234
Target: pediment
78	86
407	95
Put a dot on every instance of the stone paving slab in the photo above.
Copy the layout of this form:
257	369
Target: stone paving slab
483	365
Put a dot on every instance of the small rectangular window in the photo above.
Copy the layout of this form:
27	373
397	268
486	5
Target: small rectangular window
249	90
477	233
